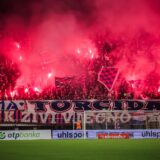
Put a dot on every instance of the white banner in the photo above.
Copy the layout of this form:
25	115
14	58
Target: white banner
25	134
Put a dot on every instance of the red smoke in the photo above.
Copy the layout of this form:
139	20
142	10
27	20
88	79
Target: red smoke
60	42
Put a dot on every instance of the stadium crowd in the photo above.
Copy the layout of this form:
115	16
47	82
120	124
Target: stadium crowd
86	86
83	87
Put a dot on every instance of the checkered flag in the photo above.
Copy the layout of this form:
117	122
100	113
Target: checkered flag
108	76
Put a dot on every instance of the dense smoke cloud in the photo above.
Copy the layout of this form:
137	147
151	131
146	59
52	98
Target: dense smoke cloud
50	32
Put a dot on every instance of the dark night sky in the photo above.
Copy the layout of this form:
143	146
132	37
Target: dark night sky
86	12
83	10
27	8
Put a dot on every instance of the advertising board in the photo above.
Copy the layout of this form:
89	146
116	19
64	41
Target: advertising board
69	134
25	134
106	134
